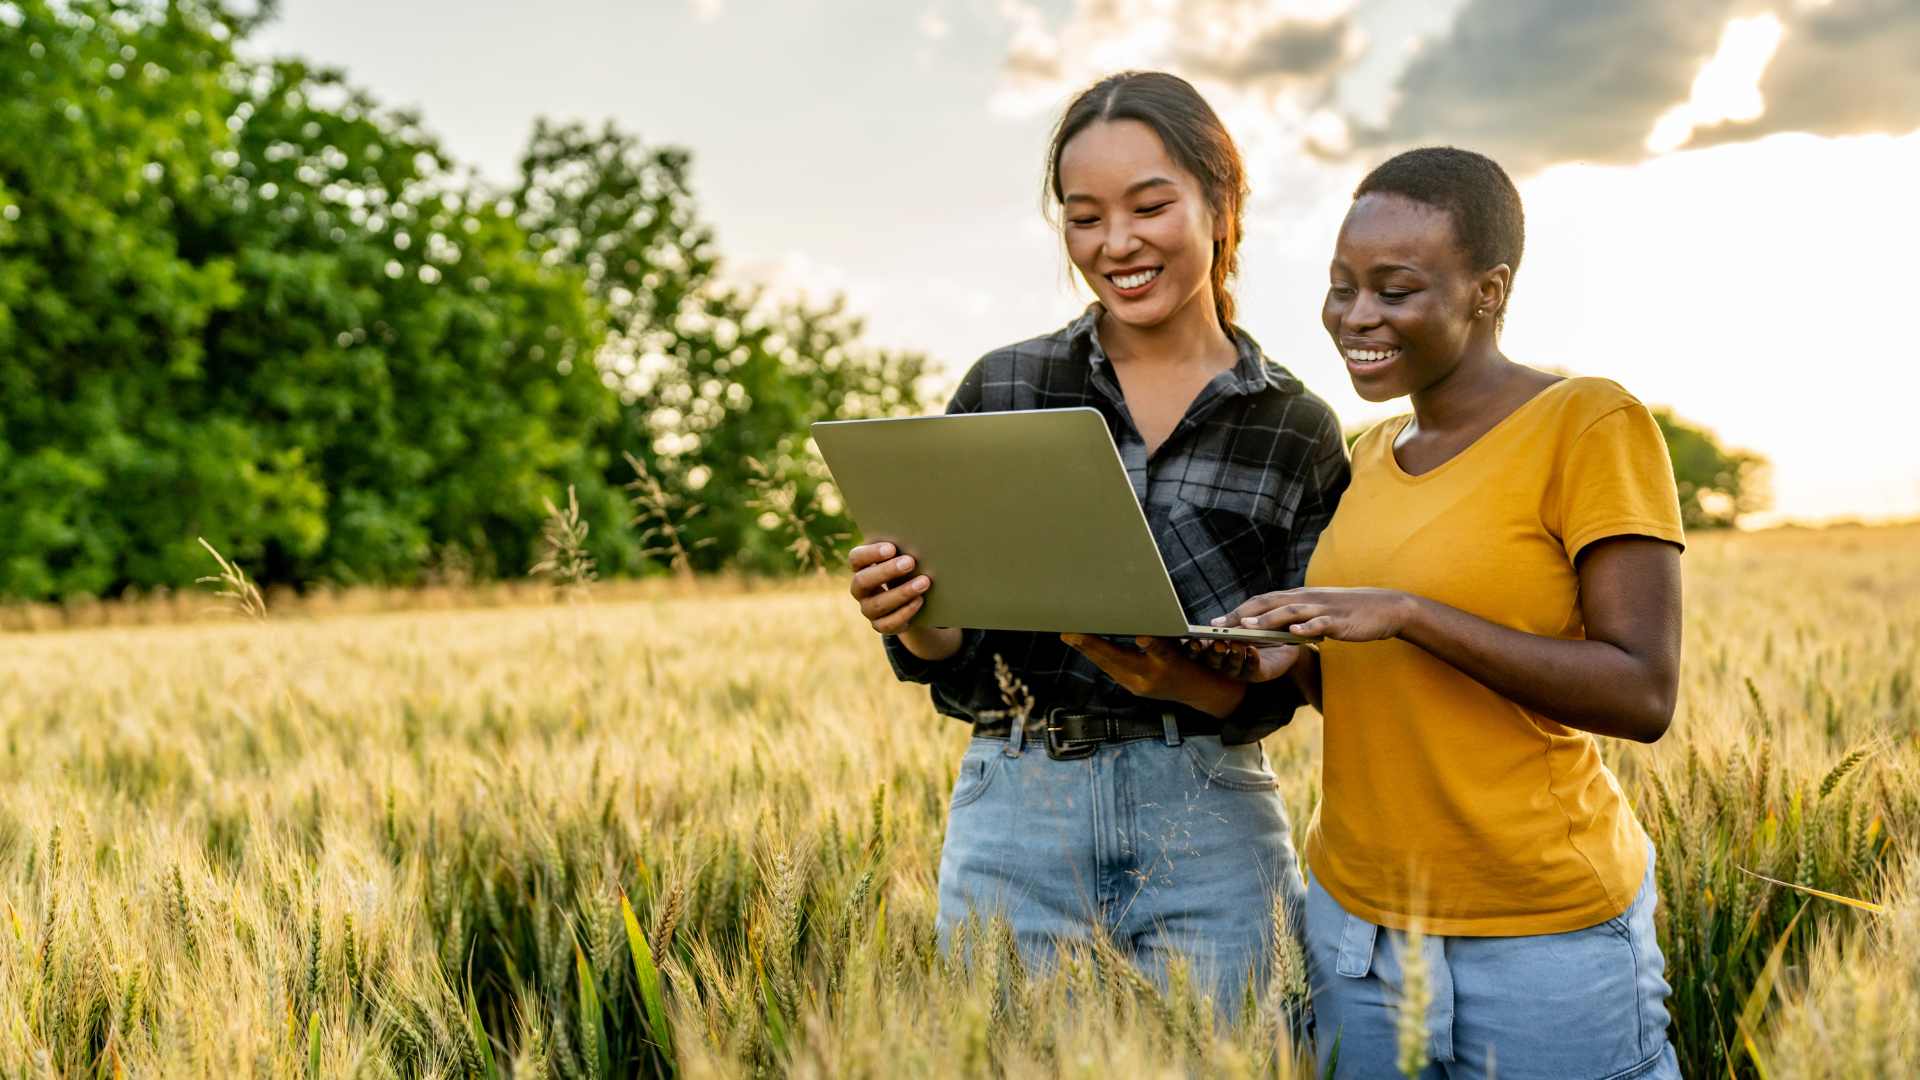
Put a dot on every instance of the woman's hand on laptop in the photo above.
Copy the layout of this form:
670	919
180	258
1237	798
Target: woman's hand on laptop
1336	614
1243	661
1159	669
890	594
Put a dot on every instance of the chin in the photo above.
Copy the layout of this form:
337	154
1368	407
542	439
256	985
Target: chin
1139	317
1156	310
1385	390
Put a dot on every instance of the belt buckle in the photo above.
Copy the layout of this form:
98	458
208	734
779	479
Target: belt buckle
1064	750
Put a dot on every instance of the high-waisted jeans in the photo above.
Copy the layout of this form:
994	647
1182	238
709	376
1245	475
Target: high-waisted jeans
1171	846
1583	1005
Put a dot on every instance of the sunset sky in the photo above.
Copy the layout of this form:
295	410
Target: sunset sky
1720	195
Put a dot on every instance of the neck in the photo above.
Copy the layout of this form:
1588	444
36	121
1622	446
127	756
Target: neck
1192	335
1458	399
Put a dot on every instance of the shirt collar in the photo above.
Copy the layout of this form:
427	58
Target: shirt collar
1252	371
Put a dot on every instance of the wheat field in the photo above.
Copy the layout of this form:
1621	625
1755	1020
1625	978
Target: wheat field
694	830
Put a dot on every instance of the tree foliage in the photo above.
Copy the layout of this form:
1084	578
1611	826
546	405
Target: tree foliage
710	378
1718	485
241	300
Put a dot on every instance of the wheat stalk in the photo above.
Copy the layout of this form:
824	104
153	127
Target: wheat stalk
780	500
565	560
664	516
1416	998
238	592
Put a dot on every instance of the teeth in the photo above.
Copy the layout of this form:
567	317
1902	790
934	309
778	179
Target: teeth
1371	356
1134	281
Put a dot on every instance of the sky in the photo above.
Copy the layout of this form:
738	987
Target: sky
1719	193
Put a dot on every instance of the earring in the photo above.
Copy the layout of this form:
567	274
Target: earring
1480	313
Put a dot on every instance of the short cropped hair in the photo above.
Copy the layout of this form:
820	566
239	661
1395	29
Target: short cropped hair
1470	188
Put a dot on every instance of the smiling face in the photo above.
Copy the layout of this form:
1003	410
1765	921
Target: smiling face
1402	297
1138	226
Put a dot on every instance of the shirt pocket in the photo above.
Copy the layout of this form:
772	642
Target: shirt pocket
1239	495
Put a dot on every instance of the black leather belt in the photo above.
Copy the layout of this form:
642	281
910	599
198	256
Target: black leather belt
1074	734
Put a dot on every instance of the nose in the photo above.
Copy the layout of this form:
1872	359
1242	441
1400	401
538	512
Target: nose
1363	312
1120	241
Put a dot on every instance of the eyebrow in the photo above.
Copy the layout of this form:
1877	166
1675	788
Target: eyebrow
1386	268
1133	188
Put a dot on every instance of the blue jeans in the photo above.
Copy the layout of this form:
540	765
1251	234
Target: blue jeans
1174	846
1575	1006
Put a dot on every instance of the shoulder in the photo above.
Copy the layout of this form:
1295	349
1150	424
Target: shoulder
1300	410
1581	401
1277	398
1021	374
1377	438
1022	357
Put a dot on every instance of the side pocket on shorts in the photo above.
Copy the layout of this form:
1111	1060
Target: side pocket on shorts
1242	767
977	770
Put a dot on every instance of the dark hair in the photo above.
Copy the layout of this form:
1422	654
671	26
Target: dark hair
1195	139
1470	188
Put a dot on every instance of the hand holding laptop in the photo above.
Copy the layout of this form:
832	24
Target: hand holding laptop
965	497
891	592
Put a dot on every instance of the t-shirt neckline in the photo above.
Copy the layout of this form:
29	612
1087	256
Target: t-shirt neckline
1393	462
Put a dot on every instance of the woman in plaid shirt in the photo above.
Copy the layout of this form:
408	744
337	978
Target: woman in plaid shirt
1134	800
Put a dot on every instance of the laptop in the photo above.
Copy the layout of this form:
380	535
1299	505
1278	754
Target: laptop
1024	520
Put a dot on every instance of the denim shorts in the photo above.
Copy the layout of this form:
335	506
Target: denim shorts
1172	847
1584	1005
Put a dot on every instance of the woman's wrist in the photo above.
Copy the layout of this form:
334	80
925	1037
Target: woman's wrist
1413	617
932	643
1217	695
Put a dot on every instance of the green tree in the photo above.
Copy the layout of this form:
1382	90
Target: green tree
239	301
1717	484
711	377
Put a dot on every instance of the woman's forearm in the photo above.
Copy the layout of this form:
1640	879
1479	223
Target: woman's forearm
932	643
1590	685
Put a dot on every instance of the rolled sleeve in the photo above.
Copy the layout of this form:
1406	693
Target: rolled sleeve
910	668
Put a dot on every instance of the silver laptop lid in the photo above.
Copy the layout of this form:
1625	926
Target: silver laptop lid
1025	520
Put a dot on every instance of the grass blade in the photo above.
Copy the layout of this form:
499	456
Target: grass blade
1749	1020
313	1045
770	1006
479	1026
1863	905
592	1021
647	976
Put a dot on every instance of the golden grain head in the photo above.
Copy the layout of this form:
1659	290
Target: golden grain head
391	818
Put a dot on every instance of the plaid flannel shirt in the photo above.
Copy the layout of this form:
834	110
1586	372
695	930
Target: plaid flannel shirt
1236	498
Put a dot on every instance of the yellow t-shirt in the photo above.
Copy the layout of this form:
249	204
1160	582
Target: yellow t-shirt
1444	803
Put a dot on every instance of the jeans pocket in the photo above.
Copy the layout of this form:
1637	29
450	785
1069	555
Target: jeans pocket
1652	1066
977	770
1242	767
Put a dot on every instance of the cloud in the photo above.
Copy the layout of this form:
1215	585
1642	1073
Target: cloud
1728	86
1845	68
1268	68
1533	84
1279	48
1286	49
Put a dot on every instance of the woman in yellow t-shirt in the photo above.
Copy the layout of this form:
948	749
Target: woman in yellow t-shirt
1499	586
